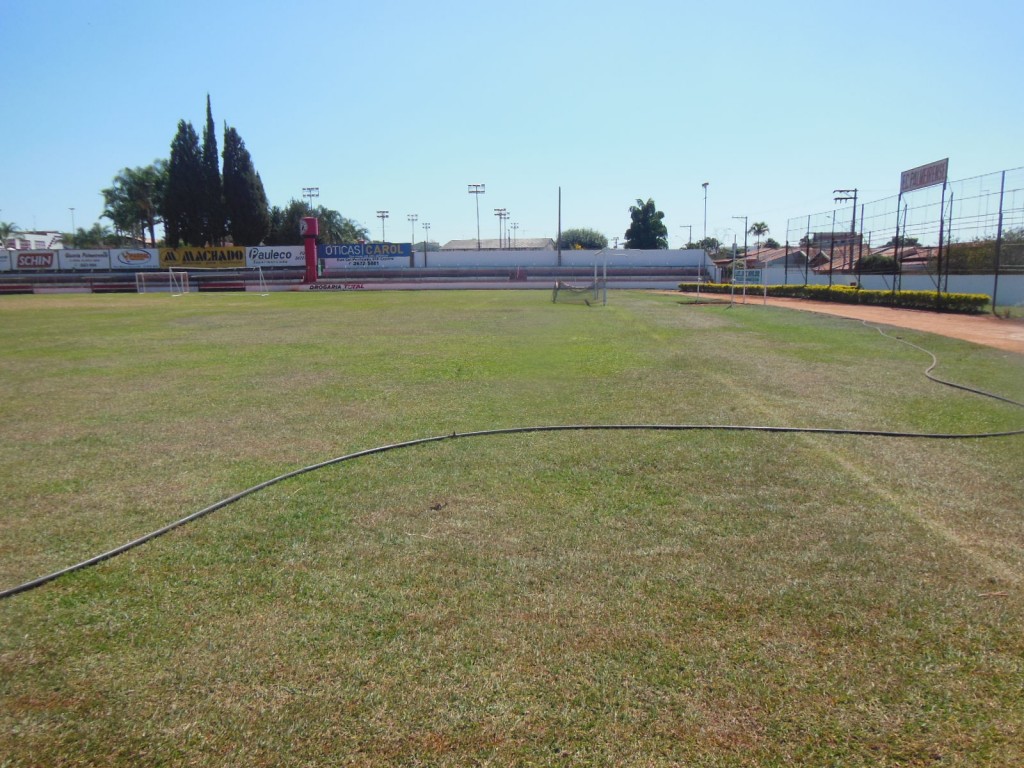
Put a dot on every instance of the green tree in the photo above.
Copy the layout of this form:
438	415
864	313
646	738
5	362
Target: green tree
877	264
213	193
334	228
709	244
134	200
284	223
648	230
7	230
97	236
771	242
903	241
583	239
758	229
245	200
183	201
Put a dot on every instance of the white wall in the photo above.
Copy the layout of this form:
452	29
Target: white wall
614	257
1011	286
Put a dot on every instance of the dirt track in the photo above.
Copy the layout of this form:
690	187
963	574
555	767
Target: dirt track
980	329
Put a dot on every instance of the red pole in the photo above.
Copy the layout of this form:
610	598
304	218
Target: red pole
310	228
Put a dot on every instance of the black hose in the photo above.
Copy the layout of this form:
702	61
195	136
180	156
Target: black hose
30	585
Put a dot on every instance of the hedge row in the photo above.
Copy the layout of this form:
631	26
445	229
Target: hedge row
967	303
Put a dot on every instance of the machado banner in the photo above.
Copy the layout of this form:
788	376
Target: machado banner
232	257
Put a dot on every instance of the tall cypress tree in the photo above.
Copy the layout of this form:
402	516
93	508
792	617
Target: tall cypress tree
245	200
213	194
183	197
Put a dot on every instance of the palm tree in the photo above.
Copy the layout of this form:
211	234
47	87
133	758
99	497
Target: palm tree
7	231
758	229
133	202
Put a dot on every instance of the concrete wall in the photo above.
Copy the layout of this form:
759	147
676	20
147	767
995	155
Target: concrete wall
516	258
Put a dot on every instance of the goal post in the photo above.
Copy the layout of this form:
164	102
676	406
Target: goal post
567	293
173	281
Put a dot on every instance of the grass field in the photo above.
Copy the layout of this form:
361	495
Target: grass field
574	598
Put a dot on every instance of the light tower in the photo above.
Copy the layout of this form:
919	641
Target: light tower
477	190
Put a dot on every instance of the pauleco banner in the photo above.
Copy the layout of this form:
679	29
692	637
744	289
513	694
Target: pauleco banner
93	259
228	257
275	256
135	258
36	261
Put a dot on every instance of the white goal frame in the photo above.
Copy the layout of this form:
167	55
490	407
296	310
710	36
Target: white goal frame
173	281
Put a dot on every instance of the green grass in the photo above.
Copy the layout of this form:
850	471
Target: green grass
576	598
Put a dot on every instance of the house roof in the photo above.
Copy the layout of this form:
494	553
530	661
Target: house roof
520	244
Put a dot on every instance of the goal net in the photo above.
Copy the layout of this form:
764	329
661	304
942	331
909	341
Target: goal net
567	293
172	281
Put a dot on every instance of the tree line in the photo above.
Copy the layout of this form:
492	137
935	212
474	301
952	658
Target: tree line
205	198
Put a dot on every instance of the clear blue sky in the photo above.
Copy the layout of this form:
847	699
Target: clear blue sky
398	105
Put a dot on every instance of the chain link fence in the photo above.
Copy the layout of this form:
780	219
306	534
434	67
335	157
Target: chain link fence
972	226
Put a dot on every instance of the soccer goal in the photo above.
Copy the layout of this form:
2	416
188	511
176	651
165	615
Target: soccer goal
567	293
173	281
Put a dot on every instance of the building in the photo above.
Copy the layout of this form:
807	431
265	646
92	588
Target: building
518	244
34	241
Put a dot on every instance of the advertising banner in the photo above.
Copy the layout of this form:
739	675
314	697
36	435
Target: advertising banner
69	259
135	258
232	257
275	256
924	176
365	255
5	260
35	261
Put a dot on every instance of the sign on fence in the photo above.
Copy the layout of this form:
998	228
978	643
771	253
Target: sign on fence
91	259
924	176
747	276
363	255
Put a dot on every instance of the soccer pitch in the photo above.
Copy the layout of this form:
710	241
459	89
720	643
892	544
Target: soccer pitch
591	597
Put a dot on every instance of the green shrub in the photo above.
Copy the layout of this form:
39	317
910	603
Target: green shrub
966	303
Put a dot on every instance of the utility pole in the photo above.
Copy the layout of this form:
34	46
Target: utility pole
382	215
477	190
842	196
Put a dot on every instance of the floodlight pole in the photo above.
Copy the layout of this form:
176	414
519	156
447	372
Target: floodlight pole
382	215
413	218
705	185
744	258
477	190
310	193
426	240
74	234
515	234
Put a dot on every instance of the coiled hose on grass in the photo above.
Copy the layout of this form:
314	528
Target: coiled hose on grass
35	583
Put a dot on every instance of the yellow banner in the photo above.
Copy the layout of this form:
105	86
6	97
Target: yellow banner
202	258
